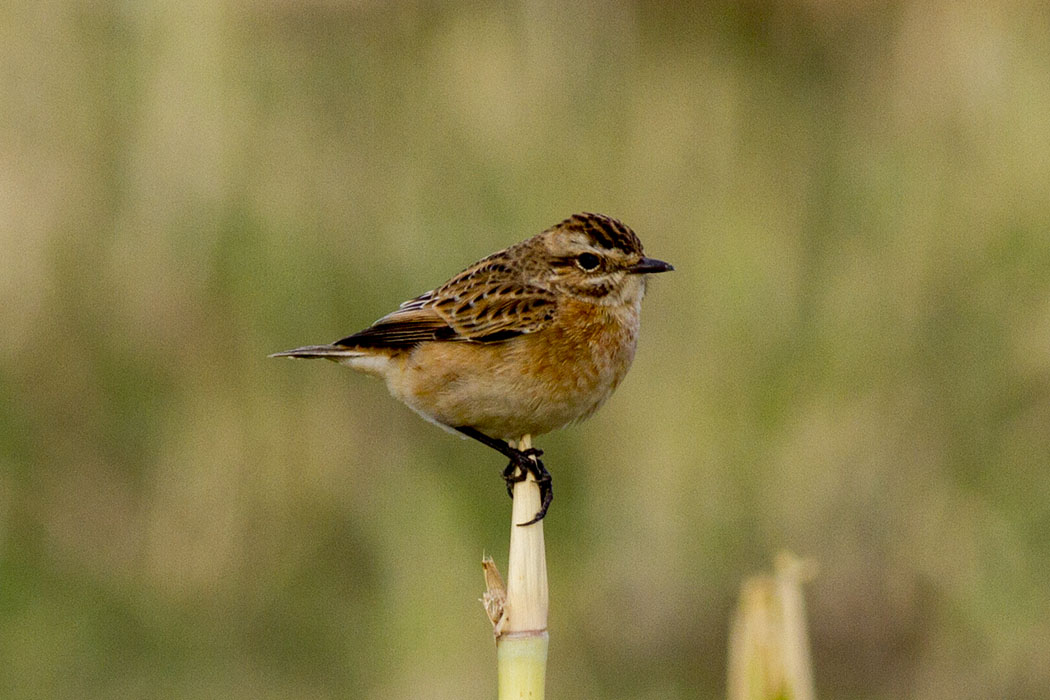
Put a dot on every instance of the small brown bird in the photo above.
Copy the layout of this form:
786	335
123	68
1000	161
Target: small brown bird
520	343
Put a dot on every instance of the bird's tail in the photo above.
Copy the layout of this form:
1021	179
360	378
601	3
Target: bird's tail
329	352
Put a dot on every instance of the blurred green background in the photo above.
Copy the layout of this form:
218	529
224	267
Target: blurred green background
851	360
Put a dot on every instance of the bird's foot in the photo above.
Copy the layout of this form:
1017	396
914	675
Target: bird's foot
523	463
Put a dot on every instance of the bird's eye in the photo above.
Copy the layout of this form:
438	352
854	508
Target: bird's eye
588	262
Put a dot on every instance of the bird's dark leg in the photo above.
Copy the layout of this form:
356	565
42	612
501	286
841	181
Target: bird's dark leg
522	463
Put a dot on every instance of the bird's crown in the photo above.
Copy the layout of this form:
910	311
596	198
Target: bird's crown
603	232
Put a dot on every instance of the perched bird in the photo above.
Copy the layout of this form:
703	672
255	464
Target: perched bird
520	343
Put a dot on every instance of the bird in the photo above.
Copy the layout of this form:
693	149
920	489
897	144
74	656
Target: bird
521	343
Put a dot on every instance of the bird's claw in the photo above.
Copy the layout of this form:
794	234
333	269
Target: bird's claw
525	462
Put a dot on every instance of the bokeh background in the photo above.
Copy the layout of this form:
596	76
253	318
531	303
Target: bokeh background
852	360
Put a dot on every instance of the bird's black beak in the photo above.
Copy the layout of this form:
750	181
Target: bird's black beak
649	266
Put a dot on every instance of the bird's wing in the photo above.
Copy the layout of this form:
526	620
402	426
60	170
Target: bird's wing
403	328
498	312
478	305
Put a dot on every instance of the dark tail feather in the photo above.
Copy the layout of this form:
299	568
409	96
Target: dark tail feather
331	352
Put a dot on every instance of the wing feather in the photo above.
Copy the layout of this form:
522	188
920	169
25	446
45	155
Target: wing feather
482	304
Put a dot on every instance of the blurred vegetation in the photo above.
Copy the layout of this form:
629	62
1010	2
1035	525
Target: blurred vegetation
851	360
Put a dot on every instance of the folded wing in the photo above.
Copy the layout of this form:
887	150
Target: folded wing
478	305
